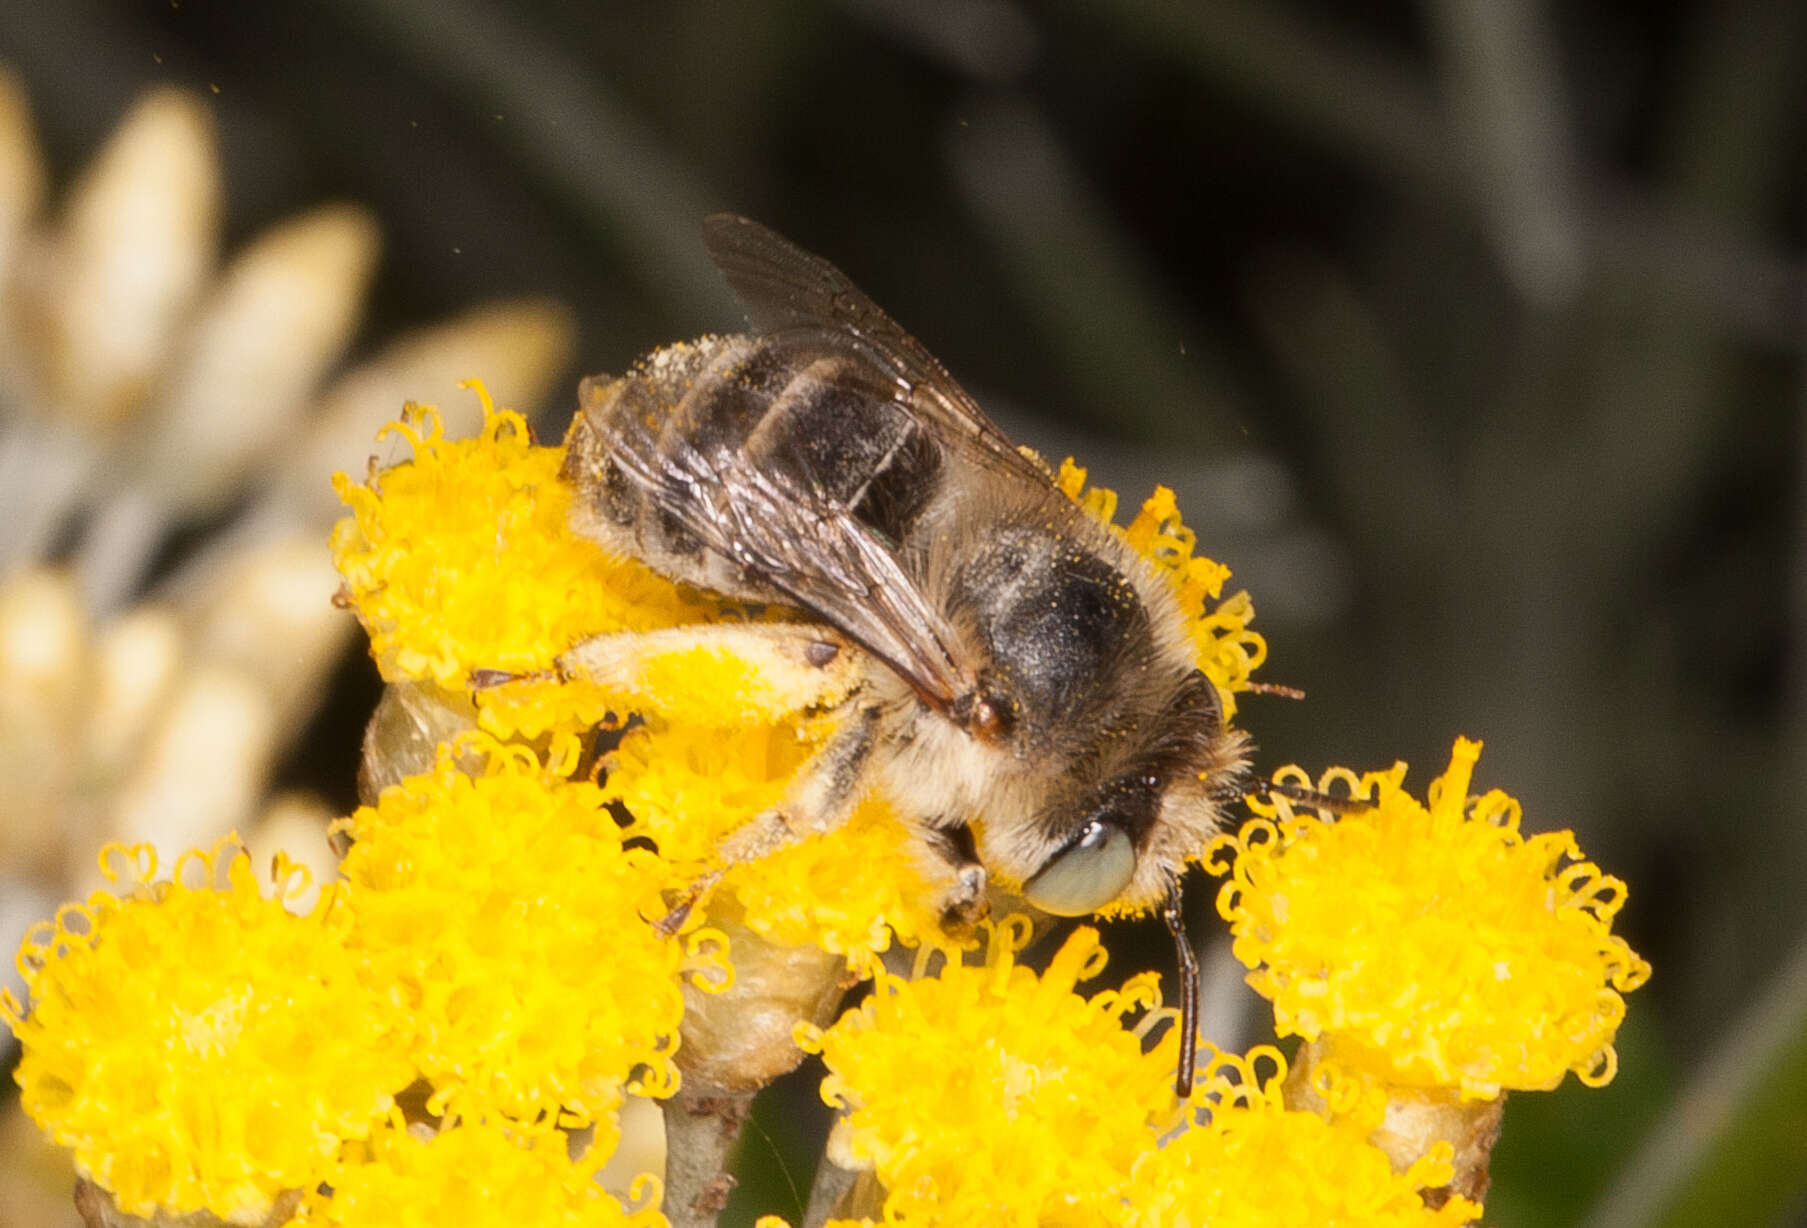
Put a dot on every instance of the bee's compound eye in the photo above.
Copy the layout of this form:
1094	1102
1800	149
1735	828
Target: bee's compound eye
1086	875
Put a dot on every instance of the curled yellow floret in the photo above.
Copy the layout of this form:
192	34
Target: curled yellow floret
1255	1164
1224	647
989	1095
463	559
197	1045
513	926
475	1175
1434	945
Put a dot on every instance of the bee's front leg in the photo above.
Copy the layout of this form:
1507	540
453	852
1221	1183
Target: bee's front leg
821	796
962	900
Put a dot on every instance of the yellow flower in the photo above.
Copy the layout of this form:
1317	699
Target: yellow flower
463	559
1432	947
1225	649
988	1095
201	1047
476	1175
1255	1164
508	920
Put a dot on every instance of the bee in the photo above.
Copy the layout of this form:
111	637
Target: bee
1020	665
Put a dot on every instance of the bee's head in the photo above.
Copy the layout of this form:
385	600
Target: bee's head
1126	838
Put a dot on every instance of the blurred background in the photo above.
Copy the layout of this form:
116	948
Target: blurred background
1468	331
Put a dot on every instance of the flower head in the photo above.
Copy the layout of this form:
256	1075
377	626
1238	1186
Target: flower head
200	1046
1256	1164
986	1094
1432	946
507	918
463	559
477	1175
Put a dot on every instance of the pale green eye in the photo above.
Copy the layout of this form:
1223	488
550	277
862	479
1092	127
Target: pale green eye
1087	875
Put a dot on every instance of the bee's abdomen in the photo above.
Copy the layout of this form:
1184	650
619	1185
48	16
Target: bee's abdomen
678	441
636	439
834	434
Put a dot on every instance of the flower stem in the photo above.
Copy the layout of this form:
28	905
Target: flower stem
702	1124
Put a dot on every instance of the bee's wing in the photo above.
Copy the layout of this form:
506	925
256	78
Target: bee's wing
776	526
790	292
775	529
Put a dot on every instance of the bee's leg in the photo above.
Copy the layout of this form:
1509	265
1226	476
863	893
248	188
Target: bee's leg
821	796
785	668
962	901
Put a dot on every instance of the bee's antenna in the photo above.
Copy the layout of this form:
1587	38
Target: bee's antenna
1311	797
1188	969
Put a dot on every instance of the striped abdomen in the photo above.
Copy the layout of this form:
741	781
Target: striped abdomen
672	460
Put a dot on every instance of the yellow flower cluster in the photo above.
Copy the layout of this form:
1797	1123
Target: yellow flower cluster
1433	946
463	559
476	1175
989	1095
505	914
200	1046
1253	1163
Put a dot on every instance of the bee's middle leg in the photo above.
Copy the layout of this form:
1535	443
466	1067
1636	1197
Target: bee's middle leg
822	795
